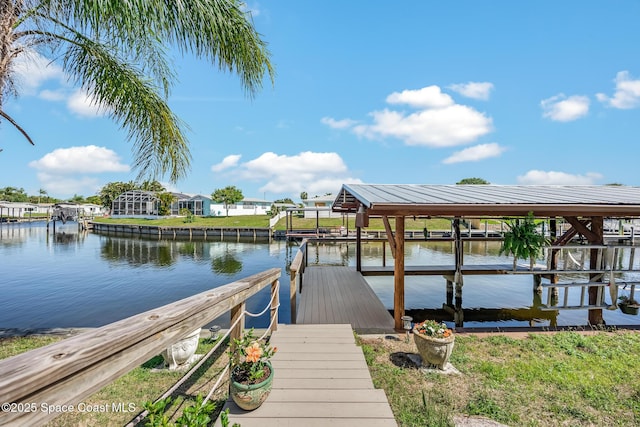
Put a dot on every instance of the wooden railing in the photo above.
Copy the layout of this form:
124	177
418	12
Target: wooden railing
296	271
64	373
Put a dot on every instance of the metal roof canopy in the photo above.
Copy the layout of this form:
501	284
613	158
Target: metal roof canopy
489	200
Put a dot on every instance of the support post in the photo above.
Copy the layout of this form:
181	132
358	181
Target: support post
597	230
275	301
238	330
398	277
358	249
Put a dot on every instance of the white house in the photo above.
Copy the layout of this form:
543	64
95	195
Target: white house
320	206
247	206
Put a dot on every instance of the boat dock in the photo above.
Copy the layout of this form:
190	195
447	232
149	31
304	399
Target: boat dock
332	294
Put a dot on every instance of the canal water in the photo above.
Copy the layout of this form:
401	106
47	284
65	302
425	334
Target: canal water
80	279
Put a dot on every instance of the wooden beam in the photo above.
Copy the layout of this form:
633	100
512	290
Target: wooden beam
596	237
583	227
390	238
398	276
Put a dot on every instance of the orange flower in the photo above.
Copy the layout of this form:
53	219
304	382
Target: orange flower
254	352
447	333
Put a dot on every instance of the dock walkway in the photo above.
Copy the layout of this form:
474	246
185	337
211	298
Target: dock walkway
321	379
335	295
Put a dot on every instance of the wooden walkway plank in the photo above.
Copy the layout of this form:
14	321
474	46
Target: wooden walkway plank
335	295
321	378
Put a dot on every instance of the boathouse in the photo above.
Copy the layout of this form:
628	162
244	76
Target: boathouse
585	208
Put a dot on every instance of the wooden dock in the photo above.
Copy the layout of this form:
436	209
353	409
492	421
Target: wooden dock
336	295
321	379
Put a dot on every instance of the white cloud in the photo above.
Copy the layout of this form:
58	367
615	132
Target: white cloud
427	97
475	90
226	163
315	173
52	95
33	69
627	94
338	124
565	109
475	153
438	121
67	170
557	178
441	127
67	186
83	104
74	160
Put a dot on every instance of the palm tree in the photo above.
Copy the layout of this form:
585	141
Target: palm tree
118	53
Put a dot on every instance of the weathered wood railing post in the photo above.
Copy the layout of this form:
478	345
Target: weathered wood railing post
296	271
275	301
237	330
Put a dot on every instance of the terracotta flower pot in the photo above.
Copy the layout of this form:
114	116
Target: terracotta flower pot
251	396
434	351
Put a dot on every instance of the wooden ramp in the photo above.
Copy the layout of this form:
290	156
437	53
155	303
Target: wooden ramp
336	295
321	379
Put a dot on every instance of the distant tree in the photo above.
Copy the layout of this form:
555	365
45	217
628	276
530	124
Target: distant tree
287	200
165	199
41	193
151	186
615	184
13	194
77	199
304	195
93	199
111	190
467	181
227	196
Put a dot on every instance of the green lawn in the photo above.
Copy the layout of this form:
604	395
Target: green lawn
262	221
562	379
541	379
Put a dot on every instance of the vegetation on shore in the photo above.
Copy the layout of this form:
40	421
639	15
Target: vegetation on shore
559	379
541	379
262	221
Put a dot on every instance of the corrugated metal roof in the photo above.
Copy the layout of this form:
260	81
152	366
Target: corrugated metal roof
543	200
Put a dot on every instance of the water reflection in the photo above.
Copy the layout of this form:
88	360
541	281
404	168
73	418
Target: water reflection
227	264
118	276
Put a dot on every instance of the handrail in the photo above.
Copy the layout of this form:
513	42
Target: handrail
66	372
296	271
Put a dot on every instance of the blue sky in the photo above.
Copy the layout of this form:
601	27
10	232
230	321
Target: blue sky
544	92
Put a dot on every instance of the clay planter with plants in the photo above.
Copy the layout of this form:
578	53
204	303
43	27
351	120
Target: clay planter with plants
628	305
251	374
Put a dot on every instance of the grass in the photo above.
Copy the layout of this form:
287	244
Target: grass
131	391
262	221
561	379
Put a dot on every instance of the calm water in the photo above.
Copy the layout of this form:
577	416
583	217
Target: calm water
76	279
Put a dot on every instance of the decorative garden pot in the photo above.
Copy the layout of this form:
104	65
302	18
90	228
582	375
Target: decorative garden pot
251	396
629	308
434	351
179	353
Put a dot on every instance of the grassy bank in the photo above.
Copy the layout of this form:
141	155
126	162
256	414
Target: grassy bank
262	221
562	379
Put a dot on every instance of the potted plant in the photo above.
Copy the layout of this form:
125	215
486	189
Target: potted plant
522	240
251	373
434	341
628	305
